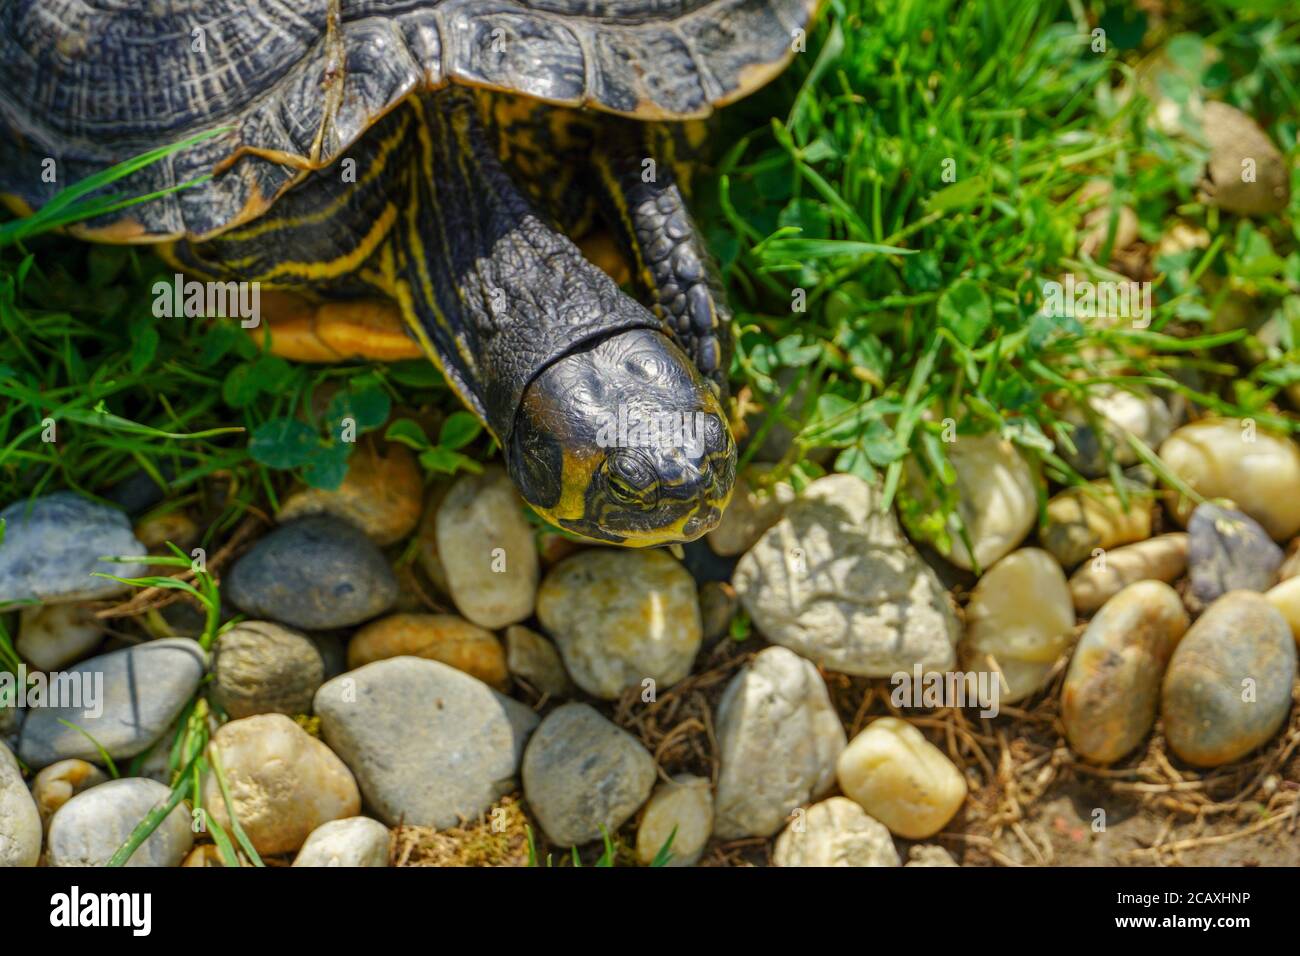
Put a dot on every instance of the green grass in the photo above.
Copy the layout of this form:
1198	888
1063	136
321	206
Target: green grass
1013	100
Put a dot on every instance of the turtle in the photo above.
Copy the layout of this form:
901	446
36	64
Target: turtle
410	176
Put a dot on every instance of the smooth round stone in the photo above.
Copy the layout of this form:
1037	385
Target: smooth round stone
487	549
835	832
997	501
682	809
1228	687
20	821
1228	551
53	544
1108	703
1234	139
778	738
620	616
755	507
54	635
1021	617
1285	598
1218	460
429	745
1120	413
1291	565
1081	520
283	782
533	659
836	581
356	841
1163	558
314	573
143	689
437	637
901	779
60	782
263	668
382	494
929	855
582	772
93	825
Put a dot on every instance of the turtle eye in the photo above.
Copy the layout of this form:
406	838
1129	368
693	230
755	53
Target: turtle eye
620	489
630	478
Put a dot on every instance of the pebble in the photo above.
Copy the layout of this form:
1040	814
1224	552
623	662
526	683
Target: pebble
835	832
52	636
1286	599
1228	687
534	659
52	545
929	855
429	745
778	738
582	772
1080	520
1291	565
837	581
487	549
262	668
1163	558
901	779
93	825
754	508
382	493
621	617
1119	413
437	637
143	689
60	782
1234	139
997	501
1228	551
20	821
206	855
1020	616
283	782
1218	459
682	809
356	841
314	573
1111	691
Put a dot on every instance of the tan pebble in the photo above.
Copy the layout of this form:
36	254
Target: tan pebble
436	637
1111	691
901	779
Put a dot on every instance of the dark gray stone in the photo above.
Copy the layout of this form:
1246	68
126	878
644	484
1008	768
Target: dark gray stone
1228	551
315	573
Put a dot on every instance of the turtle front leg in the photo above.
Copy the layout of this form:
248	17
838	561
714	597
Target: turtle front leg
648	209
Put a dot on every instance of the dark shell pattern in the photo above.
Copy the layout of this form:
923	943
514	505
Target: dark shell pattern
89	83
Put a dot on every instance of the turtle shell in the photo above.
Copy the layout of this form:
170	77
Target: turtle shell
85	84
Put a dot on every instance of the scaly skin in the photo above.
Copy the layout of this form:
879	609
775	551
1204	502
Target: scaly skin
537	341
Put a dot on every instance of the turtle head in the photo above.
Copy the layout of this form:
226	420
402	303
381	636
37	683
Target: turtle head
624	442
